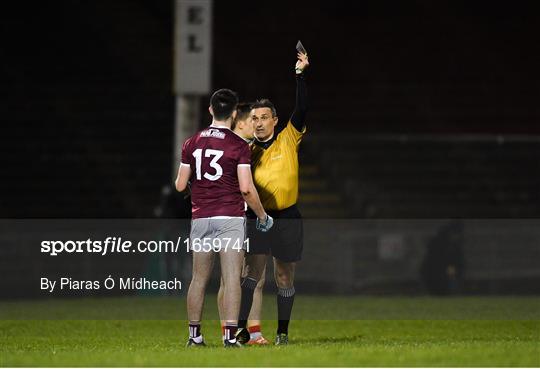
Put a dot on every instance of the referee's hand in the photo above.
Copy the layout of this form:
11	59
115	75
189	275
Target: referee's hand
266	225
302	63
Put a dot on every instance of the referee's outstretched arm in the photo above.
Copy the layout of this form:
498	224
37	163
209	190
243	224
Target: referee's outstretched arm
298	118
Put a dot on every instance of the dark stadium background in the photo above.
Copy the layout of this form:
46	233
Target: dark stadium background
418	110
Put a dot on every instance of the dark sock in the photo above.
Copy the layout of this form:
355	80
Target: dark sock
194	330
285	301
248	287
229	332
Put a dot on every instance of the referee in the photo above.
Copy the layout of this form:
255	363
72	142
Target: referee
275	171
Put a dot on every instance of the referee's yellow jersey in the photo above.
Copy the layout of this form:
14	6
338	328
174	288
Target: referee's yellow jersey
275	169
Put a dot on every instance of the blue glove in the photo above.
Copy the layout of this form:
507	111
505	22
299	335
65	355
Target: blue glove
265	227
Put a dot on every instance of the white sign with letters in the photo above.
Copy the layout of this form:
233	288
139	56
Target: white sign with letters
192	47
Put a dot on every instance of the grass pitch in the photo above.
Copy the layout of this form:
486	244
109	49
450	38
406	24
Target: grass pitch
327	331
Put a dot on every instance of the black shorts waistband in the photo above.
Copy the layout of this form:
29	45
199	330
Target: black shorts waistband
291	212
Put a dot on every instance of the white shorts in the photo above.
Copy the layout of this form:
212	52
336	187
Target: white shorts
217	234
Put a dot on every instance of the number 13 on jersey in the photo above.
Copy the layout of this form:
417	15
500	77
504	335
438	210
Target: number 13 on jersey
214	155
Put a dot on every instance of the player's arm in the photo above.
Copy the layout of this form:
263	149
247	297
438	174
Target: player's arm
182	179
298	118
184	170
249	192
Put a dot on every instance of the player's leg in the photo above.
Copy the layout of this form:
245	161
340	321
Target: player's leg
220	306
203	263
256	307
231	256
231	266
255	315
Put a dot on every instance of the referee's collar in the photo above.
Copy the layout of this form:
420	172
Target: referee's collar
265	144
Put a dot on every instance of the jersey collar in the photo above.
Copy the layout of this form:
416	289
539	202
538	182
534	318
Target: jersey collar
216	126
265	144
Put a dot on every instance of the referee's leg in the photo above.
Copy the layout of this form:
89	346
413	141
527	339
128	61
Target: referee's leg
286	252
284	276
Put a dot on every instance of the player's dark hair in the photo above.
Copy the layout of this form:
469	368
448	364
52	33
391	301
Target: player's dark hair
223	103
242	110
265	103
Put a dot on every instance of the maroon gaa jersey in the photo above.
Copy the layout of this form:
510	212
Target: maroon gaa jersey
214	155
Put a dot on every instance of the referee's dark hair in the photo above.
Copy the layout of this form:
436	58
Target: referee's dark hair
265	103
223	103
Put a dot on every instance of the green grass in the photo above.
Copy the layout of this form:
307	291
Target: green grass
395	332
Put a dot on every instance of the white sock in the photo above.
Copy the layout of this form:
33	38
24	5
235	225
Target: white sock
198	339
255	335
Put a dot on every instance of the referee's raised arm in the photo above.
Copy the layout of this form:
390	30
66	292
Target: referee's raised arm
298	118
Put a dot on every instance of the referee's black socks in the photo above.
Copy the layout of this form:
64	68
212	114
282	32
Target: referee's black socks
285	301
248	288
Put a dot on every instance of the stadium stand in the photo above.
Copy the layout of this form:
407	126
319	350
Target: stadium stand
91	109
433	177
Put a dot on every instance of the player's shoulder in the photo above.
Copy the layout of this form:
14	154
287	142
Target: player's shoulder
223	137
234	136
188	141
235	139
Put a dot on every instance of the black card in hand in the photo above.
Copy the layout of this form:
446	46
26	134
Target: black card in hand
300	48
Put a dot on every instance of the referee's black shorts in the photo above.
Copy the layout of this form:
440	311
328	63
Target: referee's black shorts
284	241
